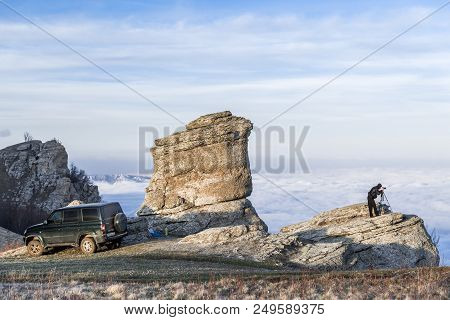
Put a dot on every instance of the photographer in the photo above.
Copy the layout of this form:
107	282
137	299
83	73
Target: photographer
372	195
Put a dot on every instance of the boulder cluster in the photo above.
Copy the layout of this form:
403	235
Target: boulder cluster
199	191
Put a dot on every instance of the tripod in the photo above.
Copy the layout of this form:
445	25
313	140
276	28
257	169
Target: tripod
384	207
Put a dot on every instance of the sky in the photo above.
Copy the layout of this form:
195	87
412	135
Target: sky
254	58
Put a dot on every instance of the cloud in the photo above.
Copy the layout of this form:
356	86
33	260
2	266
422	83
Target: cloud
253	64
122	187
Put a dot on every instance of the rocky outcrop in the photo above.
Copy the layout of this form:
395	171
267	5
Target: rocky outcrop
344	238
34	180
137	229
202	177
198	191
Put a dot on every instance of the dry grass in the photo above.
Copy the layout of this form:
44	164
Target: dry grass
145	271
10	246
420	283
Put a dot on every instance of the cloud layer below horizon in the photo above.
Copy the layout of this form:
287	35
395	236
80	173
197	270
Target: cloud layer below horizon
410	191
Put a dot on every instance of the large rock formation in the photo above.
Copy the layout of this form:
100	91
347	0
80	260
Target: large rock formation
198	190
202	177
34	180
344	238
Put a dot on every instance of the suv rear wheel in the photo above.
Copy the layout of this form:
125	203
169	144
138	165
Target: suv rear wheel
88	246
35	248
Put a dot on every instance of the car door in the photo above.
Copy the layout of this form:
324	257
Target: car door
70	225
52	231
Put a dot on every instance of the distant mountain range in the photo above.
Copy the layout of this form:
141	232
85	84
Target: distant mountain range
115	178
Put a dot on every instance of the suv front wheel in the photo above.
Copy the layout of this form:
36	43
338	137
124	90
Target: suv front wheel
35	248
88	246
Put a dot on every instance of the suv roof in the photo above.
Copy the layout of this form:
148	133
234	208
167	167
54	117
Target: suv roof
88	205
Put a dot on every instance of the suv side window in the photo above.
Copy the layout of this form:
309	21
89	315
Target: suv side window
56	217
71	216
90	215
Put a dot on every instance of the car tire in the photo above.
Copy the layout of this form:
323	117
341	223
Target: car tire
88	246
120	222
35	248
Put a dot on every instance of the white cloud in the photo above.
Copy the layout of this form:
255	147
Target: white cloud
122	187
254	65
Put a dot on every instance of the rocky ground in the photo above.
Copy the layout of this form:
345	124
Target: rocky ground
340	239
145	261
149	271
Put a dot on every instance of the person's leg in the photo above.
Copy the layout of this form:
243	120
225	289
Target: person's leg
370	203
377	213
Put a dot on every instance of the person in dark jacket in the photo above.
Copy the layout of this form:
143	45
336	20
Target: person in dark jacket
373	194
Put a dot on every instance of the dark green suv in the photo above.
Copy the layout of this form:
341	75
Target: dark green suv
87	226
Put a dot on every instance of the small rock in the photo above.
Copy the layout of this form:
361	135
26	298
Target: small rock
75	203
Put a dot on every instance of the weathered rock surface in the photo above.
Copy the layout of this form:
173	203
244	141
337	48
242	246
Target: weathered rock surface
190	221
34	180
137	229
202	177
344	238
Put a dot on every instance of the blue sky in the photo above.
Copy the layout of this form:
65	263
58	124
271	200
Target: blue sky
206	9
254	58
